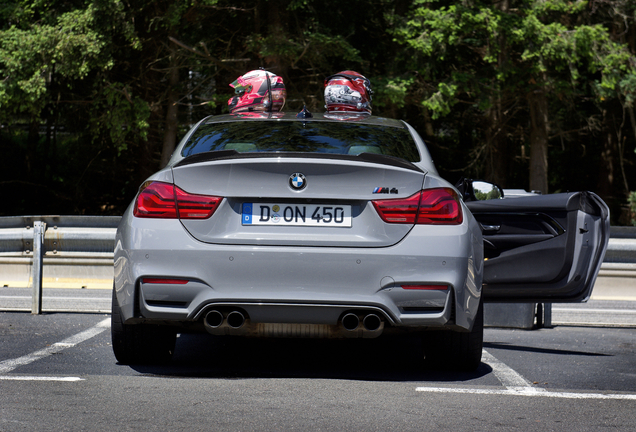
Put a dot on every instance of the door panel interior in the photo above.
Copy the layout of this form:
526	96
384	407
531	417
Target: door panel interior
537	262
506	231
542	248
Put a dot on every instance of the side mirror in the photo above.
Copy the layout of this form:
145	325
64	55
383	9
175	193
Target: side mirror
478	190
486	191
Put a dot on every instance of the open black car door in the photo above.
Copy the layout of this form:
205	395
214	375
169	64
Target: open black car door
542	248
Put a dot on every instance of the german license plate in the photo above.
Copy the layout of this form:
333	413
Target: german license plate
296	215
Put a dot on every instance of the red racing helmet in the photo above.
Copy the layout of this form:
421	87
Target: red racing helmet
258	90
348	91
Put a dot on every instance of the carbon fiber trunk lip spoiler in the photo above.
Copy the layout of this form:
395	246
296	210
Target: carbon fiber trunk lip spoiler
362	157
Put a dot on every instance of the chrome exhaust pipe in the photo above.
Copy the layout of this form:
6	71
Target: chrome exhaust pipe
350	321
372	322
235	319
213	319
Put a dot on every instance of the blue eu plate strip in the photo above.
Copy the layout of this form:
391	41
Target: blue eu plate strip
247	213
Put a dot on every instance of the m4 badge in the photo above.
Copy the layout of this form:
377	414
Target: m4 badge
385	190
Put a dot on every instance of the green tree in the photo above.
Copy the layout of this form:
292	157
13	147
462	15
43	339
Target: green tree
44	50
513	59
95	94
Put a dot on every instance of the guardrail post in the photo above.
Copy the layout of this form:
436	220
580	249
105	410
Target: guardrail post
547	315
36	269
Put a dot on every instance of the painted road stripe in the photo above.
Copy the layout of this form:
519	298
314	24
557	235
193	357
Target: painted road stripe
529	392
36	378
613	311
605	324
55	298
508	377
517	385
7	366
614	298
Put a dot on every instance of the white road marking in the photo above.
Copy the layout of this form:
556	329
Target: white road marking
508	377
614	298
517	385
55	298
7	366
593	324
36	378
612	311
529	392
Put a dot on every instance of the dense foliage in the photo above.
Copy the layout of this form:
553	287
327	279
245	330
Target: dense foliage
533	94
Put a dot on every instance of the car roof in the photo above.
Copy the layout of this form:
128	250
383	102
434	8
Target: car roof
320	117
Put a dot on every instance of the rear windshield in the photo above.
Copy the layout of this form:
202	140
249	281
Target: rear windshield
296	136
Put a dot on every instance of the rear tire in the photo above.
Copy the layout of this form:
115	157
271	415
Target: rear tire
457	350
139	343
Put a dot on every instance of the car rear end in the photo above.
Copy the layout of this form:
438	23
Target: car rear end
298	228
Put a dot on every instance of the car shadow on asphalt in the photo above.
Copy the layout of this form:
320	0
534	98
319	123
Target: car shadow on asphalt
510	347
396	359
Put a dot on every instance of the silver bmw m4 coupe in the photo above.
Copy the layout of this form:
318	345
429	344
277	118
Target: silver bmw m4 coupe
336	226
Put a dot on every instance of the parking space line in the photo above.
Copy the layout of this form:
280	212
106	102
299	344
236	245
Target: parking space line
39	378
56	298
614	298
604	311
7	366
517	385
508	377
511	392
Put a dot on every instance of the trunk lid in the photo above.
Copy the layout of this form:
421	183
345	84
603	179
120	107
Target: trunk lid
306	192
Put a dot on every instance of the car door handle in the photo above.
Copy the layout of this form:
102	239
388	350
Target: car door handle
490	229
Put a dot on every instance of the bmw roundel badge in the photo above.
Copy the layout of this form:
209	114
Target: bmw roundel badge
297	181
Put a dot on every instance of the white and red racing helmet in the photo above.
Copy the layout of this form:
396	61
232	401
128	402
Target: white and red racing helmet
348	91
258	90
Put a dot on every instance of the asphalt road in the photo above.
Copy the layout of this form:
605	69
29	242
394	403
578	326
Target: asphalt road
57	372
57	300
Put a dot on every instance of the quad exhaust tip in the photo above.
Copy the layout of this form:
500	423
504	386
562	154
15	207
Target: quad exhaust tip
214	319
235	319
350	321
370	322
359	324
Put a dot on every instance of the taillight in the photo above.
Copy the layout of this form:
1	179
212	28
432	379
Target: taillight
196	206
398	210
438	206
167	201
156	200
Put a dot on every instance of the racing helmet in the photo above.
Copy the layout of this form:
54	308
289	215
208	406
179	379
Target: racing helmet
258	90
348	91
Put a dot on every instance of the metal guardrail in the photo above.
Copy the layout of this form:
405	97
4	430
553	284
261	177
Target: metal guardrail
622	247
75	240
62	233
90	240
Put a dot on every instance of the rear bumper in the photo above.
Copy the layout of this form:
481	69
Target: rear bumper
298	285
